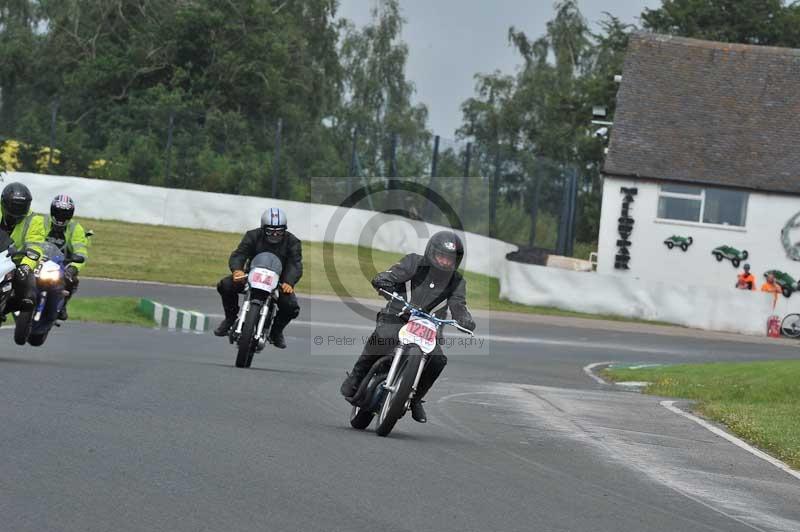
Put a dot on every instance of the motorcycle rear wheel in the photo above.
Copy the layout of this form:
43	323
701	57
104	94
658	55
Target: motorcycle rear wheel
246	344
394	406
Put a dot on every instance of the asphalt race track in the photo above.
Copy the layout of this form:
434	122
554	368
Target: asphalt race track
123	428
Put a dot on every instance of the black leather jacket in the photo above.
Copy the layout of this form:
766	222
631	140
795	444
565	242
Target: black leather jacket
429	286
289	250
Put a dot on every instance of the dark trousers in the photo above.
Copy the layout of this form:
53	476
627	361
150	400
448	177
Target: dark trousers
71	287
384	340
288	308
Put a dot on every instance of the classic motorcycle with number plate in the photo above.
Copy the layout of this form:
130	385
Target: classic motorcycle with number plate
250	333
33	327
390	384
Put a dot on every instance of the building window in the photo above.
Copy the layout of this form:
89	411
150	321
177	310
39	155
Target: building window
702	205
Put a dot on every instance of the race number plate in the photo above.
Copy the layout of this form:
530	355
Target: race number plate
421	332
263	279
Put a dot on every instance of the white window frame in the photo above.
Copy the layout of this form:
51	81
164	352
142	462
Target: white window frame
702	198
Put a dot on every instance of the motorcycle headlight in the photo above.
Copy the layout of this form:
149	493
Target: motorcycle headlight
49	276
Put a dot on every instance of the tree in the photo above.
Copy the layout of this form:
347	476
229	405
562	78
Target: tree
377	103
764	22
537	121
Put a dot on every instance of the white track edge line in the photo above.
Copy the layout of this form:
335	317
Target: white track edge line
589	370
670	405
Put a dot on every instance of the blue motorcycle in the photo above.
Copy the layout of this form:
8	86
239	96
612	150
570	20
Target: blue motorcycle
34	326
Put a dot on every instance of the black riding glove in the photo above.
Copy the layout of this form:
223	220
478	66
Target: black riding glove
23	272
383	284
70	274
467	322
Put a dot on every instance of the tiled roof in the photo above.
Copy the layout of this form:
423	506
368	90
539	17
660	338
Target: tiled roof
708	112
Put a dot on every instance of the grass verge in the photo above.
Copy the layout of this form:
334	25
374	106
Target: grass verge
122	310
123	250
758	401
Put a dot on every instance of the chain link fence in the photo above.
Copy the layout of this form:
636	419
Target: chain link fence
530	201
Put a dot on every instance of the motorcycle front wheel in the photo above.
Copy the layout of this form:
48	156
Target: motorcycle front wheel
246	344
22	327
37	339
394	406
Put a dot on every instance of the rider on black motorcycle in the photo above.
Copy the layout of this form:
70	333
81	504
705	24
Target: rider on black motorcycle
27	231
272	236
68	235
434	281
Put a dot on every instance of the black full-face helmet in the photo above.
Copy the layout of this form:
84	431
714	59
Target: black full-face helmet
274	224
16	202
445	251
61	210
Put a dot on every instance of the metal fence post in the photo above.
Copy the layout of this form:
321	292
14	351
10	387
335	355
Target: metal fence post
431	183
465	181
573	206
493	195
390	185
169	146
53	116
276	161
353	163
534	212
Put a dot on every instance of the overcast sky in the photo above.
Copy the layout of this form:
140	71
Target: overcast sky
451	40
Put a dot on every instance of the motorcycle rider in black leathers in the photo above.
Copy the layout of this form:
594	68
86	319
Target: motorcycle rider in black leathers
434	280
273	237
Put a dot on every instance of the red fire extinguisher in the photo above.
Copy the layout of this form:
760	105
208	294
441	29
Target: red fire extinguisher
774	326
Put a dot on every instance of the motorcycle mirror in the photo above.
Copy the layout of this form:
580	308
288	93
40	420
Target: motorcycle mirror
77	259
90	232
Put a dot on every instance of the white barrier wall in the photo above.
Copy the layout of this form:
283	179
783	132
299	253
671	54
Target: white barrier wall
114	200
723	309
718	309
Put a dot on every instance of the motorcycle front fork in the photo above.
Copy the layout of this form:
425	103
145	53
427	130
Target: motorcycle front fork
242	314
390	378
40	307
260	337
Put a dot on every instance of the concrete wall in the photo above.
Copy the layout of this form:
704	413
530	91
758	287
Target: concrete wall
701	307
661	285
651	260
113	200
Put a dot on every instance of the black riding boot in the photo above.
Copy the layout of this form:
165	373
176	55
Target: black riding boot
276	334
62	314
429	375
354	378
225	325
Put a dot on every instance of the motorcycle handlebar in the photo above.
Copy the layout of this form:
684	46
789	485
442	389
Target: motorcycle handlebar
407	305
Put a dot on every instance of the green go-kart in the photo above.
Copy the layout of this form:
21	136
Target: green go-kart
732	254
678	241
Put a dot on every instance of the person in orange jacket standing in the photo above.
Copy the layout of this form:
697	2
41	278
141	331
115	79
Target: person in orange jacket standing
746	280
772	287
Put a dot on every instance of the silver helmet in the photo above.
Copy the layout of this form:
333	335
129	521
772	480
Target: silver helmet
273	223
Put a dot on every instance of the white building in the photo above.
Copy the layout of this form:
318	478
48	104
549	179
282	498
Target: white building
707	135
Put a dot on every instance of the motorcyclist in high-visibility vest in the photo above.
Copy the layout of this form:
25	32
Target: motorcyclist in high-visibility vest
27	232
71	239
